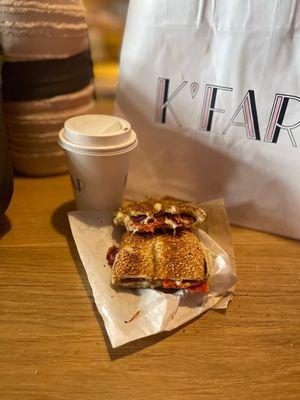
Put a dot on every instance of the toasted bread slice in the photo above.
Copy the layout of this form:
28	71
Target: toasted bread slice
134	259
160	260
151	214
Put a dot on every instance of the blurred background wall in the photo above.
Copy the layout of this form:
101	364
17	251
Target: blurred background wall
106	21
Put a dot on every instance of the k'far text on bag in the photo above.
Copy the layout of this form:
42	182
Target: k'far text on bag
245	116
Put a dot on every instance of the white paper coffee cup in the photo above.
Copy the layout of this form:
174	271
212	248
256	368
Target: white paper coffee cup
98	149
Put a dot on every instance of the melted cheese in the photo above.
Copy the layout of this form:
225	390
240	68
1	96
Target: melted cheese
157	206
171	223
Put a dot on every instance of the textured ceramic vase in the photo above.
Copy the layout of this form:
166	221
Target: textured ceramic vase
47	78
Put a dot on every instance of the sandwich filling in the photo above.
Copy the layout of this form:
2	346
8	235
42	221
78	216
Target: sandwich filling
160	220
165	284
151	215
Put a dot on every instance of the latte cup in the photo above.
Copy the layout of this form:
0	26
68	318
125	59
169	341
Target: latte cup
98	150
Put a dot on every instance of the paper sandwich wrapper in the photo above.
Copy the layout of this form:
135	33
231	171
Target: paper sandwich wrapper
130	314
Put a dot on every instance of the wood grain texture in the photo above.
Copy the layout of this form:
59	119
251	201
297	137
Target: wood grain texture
53	344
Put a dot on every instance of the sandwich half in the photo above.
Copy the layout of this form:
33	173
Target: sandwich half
151	214
160	260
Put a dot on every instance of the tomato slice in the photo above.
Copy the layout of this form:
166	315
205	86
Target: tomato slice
170	285
150	226
202	287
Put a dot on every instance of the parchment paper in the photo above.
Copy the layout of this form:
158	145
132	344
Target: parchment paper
132	314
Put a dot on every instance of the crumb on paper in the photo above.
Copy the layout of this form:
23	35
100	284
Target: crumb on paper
133	317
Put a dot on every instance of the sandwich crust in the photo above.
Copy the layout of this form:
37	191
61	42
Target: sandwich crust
134	259
178	257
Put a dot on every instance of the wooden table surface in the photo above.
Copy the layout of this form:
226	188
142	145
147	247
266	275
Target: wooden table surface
52	340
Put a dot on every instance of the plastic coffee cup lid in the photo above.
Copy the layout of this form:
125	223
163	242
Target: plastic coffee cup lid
97	135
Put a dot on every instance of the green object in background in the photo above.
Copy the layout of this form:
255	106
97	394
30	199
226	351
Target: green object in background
6	174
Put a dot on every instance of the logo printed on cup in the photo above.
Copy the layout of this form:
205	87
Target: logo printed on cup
125	180
78	184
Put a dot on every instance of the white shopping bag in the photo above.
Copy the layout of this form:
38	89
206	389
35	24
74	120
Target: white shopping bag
212	89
